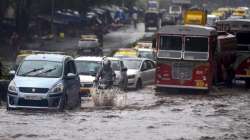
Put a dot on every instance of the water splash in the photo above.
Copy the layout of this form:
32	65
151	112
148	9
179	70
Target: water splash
109	97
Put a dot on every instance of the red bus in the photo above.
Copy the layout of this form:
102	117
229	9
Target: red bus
241	29
188	57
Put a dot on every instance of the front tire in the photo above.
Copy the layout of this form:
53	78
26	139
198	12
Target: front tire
138	84
247	83
8	108
62	104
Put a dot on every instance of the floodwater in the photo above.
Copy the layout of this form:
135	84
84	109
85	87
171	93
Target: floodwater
222	115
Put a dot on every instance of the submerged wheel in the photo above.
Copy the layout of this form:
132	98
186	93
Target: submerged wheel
79	100
62	103
7	105
247	83
8	108
139	84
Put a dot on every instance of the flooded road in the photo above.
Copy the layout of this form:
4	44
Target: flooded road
149	116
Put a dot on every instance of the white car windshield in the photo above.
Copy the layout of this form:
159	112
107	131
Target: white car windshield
132	63
40	68
88	67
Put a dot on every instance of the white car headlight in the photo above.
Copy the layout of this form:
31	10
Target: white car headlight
12	87
58	88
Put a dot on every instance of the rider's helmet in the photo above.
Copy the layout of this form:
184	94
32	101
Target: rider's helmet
107	63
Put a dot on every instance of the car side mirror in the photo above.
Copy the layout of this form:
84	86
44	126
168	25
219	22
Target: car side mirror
70	76
124	69
12	73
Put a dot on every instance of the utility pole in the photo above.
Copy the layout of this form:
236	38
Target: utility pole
52	16
123	4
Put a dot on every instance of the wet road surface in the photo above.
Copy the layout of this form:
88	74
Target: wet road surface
222	115
112	41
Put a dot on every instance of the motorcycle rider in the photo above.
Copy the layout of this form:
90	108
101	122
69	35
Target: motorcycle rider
107	74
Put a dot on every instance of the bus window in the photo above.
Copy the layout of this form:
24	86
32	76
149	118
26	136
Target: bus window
173	43
170	47
196	48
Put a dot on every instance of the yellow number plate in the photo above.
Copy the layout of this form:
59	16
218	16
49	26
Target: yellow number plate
248	72
200	83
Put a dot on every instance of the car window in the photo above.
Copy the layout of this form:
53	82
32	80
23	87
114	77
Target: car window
132	63
144	66
150	64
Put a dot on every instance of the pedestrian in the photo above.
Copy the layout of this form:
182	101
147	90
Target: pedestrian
135	18
15	42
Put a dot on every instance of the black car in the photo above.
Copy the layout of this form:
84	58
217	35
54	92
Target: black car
152	19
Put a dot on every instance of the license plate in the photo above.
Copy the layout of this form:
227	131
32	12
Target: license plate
200	84
248	72
33	97
87	51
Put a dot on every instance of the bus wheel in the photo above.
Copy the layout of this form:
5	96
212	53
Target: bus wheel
247	83
229	78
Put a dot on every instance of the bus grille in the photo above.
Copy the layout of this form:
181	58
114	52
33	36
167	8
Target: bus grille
182	71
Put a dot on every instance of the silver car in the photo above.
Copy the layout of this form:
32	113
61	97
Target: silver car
44	81
141	72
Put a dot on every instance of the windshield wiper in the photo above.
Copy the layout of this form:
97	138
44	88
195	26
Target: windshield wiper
33	70
43	72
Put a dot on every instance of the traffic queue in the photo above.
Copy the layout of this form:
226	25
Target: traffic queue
53	80
190	56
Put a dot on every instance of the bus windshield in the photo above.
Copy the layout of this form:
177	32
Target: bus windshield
170	47
196	48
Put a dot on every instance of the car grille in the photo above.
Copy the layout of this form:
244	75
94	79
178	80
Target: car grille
86	85
41	103
182	71
33	90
